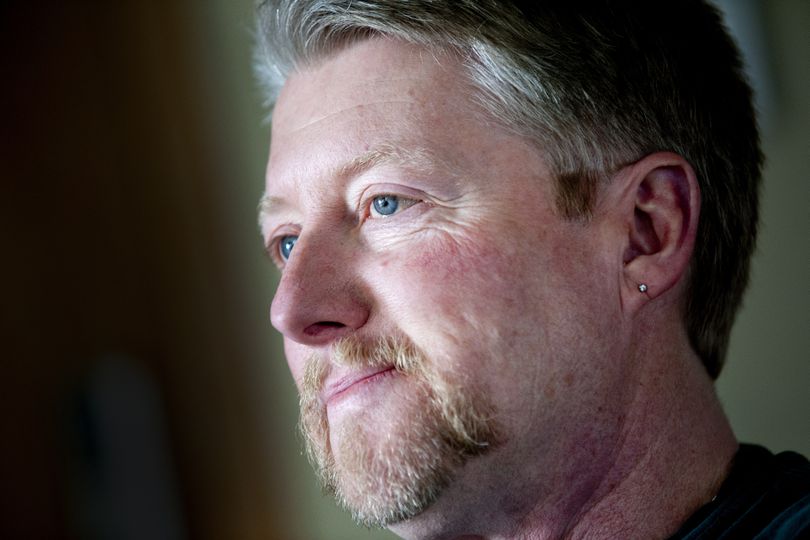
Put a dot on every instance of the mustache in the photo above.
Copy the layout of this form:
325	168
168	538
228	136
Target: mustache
451	399
354	352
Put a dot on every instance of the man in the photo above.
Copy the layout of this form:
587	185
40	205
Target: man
512	238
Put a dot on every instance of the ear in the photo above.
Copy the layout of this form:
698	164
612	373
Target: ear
661	210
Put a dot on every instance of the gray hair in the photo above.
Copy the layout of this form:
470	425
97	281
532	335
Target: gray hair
596	85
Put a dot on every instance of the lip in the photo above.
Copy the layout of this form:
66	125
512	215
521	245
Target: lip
342	384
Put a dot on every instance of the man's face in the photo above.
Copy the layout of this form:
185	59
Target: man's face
422	226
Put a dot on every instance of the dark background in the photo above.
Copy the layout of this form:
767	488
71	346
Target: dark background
143	393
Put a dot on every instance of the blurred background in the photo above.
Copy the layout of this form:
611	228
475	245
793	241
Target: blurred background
143	392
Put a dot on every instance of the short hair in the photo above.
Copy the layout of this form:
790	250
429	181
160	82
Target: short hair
596	85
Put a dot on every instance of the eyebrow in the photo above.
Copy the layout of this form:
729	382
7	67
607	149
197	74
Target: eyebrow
268	206
416	159
420	159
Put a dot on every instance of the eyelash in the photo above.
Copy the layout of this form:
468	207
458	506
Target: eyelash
365	209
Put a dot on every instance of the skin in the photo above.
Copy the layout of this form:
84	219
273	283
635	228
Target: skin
601	400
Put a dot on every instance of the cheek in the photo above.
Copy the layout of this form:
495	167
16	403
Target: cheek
456	287
444	258
459	269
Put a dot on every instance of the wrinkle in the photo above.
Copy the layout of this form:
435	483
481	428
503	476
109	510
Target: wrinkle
312	122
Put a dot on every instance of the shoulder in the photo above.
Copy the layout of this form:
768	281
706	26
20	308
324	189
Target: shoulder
765	497
789	495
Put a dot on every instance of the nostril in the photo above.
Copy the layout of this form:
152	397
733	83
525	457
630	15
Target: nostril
316	329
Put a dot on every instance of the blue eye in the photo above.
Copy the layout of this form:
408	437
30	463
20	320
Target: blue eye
385	205
285	246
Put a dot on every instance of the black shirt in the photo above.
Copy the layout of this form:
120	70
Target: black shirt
765	497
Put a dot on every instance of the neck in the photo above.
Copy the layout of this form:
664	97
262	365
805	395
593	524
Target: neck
677	451
667	457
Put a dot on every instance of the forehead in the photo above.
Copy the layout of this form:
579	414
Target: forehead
386	94
375	71
379	92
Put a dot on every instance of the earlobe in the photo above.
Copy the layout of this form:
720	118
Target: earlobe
661	226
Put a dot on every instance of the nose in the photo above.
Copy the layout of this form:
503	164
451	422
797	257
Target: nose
319	298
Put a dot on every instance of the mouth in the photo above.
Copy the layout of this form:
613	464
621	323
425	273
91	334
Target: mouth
354	381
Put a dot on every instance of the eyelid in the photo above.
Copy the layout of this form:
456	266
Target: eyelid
380	190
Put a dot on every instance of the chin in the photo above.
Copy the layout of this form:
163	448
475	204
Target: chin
389	475
388	448
389	464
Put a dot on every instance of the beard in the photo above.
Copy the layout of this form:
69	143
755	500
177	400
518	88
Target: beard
386	478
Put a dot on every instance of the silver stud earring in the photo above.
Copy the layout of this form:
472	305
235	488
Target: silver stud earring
642	288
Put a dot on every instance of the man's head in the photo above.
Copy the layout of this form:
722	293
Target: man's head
595	85
464	198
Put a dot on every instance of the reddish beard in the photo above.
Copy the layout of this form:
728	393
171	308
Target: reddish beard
384	480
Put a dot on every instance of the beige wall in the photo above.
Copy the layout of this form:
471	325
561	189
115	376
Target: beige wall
765	384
